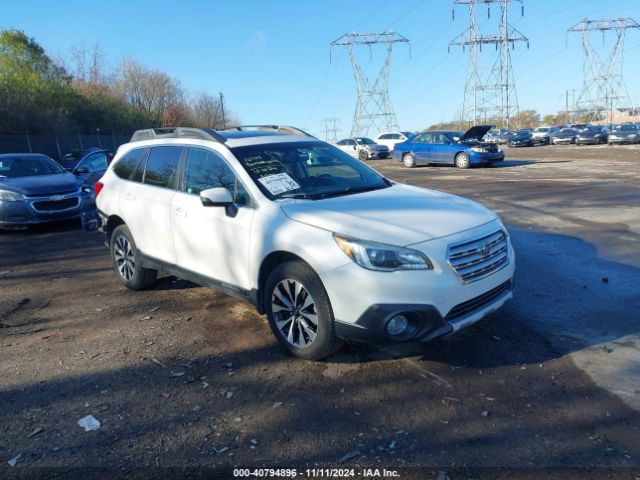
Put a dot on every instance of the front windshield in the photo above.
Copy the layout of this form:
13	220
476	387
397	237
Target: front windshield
311	170
364	141
13	167
626	128
542	130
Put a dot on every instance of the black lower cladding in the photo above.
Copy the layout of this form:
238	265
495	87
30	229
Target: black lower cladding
371	326
475	303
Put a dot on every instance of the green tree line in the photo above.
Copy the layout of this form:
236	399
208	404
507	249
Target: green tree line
524	119
41	95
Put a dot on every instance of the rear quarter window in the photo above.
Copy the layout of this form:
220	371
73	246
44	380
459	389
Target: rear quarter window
125	166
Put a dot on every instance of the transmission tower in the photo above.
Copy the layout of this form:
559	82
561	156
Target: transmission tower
373	107
603	87
492	96
331	129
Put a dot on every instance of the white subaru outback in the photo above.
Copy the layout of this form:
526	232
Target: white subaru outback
326	247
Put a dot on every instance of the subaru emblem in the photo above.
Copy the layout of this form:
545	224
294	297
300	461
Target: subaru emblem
485	249
57	198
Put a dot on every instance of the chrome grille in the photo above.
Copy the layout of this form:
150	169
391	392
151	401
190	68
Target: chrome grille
479	258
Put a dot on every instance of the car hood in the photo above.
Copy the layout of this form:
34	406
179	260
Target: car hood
399	215
41	184
476	133
564	134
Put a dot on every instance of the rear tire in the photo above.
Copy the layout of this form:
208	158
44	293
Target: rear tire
408	160
462	160
127	262
299	311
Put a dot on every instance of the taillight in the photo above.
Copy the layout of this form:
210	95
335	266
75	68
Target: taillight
98	188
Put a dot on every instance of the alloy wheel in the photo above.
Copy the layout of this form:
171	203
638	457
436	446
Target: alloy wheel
295	313
124	258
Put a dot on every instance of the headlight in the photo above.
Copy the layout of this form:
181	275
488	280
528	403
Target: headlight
479	149
9	196
381	257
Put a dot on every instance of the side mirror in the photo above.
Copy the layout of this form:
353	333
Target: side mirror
81	171
216	197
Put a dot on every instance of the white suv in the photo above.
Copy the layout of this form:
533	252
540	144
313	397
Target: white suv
325	246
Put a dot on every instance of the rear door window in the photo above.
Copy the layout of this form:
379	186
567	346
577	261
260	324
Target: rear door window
162	165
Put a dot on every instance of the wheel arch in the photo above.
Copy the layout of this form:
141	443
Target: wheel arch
113	222
271	261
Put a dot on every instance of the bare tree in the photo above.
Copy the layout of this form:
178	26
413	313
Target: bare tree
207	111
151	91
88	64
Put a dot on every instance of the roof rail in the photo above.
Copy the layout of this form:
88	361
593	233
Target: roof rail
177	132
281	129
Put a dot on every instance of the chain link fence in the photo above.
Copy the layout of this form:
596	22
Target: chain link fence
56	146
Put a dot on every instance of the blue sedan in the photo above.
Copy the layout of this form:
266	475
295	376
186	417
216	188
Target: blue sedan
449	148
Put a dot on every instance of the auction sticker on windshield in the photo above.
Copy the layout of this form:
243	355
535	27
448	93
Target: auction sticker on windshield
279	183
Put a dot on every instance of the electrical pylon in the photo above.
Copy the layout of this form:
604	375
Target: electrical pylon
489	97
603	87
373	107
331	129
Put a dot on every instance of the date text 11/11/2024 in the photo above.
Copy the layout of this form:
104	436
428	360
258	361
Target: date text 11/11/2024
315	473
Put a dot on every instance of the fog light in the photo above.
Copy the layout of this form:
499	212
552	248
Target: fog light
397	326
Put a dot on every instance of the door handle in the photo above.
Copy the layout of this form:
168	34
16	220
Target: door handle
130	196
180	212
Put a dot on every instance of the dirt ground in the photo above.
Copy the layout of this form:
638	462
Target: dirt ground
186	381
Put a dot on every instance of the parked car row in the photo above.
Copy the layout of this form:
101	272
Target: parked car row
578	134
36	189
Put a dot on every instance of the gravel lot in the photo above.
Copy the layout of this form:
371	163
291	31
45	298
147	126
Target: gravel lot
181	376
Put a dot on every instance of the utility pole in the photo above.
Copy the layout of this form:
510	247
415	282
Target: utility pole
603	81
373	107
492	96
224	122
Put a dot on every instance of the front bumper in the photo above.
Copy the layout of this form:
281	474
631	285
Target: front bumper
38	210
379	154
562	141
588	141
628	140
543	140
426	320
485	157
437	300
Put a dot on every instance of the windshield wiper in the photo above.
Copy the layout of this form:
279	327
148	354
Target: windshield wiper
294	195
347	191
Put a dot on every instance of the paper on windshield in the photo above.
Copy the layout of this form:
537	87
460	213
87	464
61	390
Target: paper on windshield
279	183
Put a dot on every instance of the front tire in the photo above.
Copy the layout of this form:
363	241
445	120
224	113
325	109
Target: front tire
363	155
127	262
462	160
299	311
408	160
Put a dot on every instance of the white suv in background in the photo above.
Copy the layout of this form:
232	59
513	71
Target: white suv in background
391	138
325	246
